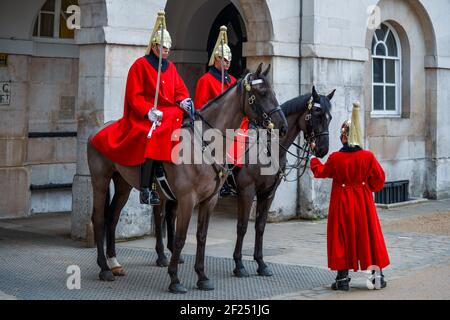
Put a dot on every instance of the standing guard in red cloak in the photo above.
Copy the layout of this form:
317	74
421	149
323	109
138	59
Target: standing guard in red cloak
155	98
354	236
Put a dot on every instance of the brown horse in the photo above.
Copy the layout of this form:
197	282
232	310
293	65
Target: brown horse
308	113
191	184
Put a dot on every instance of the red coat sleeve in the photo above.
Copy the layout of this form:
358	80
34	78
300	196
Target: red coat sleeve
376	177
134	93
322	170
202	93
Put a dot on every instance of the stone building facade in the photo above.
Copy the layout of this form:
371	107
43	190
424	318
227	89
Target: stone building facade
400	73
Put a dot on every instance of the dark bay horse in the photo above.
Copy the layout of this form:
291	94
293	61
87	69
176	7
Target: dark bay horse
309	114
191	184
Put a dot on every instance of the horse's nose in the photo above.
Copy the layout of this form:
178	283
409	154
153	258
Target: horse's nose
283	130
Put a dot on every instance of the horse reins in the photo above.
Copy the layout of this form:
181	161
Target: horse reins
267	121
303	160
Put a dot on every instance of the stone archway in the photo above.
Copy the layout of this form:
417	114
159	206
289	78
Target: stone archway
190	23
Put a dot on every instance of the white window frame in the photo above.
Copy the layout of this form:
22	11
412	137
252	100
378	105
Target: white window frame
398	77
56	24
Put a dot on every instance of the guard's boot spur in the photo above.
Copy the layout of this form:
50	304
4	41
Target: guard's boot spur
342	281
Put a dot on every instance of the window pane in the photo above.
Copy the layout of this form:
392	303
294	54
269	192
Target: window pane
378	98
391	45
390	98
381	33
66	3
378	71
49	5
64	32
381	50
47	25
35	29
390	71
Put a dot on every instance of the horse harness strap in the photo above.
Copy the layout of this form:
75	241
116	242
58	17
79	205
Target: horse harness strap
308	119
267	121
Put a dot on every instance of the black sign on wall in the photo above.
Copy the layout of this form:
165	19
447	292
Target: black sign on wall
5	93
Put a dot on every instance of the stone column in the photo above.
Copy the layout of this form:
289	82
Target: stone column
282	57
107	52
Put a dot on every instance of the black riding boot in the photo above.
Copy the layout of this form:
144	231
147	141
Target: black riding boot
342	281
148	195
383	283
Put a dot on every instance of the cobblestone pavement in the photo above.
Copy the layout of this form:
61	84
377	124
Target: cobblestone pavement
417	248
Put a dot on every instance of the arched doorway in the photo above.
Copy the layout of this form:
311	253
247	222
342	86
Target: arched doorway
194	27
237	35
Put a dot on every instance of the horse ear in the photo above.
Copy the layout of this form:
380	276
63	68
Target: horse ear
315	94
331	95
258	71
266	72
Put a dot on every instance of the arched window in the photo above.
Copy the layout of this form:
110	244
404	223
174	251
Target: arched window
386	77
51	20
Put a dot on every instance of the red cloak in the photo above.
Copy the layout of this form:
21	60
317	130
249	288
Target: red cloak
125	141
209	86
354	233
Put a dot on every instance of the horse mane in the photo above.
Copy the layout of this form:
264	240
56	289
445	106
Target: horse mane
297	104
239	91
212	101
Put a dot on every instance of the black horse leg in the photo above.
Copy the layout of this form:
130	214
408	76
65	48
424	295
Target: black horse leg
158	213
121	194
184	213
101	205
171	208
262	210
245	200
204	213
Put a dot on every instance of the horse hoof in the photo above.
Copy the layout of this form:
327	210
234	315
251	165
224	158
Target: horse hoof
241	273
118	272
177	288
106	275
265	271
205	285
163	262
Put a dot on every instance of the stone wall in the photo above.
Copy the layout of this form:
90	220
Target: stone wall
40	88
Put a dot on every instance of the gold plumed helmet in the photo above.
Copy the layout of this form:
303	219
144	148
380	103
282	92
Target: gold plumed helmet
351	128
156	33
218	49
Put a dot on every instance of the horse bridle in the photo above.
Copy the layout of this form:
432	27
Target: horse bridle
267	120
311	137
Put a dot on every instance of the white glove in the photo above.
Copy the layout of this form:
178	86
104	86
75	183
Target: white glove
155	115
187	105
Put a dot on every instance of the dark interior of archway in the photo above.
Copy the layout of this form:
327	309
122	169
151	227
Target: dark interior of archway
237	34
